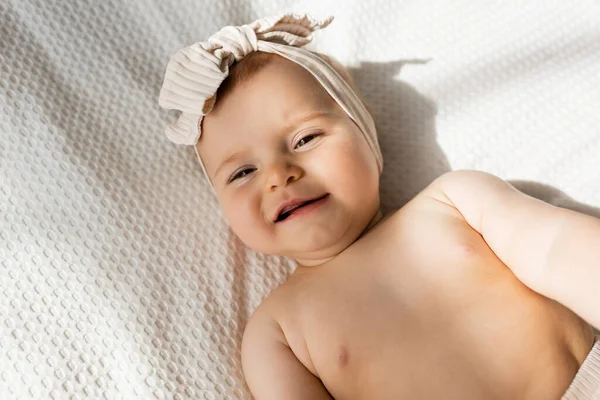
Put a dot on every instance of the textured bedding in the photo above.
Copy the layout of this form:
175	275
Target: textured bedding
119	277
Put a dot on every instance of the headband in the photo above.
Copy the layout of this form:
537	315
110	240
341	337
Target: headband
195	73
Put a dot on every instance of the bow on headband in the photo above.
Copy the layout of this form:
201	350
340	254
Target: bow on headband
195	73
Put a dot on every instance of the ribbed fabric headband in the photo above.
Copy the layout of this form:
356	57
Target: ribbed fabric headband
195	73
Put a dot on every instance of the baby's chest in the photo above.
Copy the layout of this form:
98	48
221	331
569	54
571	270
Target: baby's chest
413	302
399	296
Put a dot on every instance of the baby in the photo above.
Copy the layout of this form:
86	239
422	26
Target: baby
472	290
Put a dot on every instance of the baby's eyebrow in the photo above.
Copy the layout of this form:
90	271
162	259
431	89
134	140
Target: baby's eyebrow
229	159
305	118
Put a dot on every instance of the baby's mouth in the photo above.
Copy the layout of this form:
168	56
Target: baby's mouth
286	214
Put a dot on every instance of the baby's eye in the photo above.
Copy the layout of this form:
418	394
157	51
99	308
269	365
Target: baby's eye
240	174
304	139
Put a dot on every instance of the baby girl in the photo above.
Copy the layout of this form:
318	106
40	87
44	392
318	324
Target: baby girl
472	290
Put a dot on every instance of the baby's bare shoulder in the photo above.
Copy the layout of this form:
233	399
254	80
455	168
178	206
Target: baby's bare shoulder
430	201
269	311
263	326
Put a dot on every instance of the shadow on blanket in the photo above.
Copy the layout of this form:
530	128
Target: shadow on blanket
405	122
406	129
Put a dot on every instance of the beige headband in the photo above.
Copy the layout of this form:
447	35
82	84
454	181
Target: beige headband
195	73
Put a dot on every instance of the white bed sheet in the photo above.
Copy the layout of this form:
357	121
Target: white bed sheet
119	277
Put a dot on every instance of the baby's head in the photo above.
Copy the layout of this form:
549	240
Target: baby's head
275	134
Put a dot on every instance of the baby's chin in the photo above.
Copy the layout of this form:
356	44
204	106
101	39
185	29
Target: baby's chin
324	238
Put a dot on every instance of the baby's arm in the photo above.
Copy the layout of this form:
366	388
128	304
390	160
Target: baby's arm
271	369
554	251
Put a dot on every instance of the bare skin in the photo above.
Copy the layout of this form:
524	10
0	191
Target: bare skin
411	306
420	307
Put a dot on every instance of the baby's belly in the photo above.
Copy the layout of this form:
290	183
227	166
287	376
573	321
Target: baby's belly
465	330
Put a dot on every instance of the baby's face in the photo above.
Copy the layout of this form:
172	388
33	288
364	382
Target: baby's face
292	141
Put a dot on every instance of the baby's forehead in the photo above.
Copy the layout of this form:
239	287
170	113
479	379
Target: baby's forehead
281	89
278	96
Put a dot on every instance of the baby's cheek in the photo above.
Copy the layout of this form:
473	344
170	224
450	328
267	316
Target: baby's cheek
351	160
335	157
244	224
238	220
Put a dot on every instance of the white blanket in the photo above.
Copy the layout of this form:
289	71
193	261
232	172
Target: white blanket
119	277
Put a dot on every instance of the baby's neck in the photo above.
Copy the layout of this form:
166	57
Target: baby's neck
378	217
313	263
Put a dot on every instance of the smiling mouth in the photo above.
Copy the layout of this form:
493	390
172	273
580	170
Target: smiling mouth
284	215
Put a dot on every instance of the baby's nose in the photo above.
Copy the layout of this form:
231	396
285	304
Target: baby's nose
282	173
